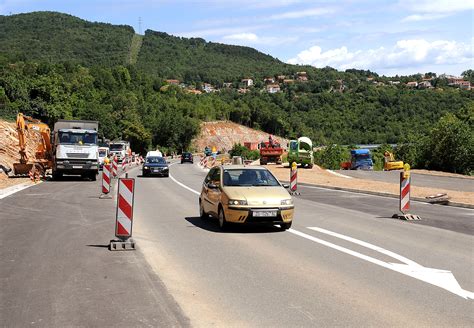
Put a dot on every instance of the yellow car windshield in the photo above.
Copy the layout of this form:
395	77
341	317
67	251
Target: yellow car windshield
249	177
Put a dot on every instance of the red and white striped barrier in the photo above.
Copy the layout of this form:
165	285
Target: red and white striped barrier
404	192
212	162
114	167
404	204
106	179
124	216
203	162
294	179
124	164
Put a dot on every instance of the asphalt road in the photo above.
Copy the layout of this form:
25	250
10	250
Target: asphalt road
343	263
420	180
324	276
56	270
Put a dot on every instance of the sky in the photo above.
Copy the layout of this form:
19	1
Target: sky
388	37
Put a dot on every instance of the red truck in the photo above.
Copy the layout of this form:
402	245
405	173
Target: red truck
270	151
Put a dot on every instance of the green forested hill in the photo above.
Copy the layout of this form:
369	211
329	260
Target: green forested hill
55	37
194	59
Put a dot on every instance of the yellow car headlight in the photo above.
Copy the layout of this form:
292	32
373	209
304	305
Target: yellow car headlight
287	202
237	202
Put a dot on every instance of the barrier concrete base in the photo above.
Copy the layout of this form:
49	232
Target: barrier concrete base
407	217
105	196
122	245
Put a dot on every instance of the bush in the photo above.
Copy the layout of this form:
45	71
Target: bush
331	156
244	152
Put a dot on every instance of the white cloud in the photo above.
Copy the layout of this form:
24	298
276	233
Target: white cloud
253	39
405	54
310	12
423	17
437	6
242	37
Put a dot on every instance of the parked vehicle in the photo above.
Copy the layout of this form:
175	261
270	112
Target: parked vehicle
187	157
121	149
75	149
155	165
301	152
244	195
270	151
361	159
104	153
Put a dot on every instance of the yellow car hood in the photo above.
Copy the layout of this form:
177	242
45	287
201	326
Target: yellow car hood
256	196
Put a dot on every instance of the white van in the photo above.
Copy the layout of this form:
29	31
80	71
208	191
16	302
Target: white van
155	153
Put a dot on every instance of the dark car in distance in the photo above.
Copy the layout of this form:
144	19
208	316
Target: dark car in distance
155	165
187	157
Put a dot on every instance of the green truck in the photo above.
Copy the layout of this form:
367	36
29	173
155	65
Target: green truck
301	152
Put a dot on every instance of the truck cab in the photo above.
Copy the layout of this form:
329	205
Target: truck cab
76	149
301	152
119	149
361	159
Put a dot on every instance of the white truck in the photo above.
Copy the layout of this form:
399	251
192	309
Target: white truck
121	149
75	149
104	152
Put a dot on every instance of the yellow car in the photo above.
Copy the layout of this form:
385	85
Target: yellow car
245	194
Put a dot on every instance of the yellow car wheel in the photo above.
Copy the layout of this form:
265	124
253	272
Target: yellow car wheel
202	213
222	221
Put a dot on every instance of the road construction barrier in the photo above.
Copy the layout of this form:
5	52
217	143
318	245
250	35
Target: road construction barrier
106	175
212	161
404	202
124	215
203	162
114	167
124	164
294	179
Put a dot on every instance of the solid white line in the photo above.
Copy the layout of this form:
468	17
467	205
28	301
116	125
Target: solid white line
339	174
181	184
14	189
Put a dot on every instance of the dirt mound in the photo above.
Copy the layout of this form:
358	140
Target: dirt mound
224	134
9	144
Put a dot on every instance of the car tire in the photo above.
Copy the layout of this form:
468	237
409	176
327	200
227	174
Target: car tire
285	226
223	224
93	176
202	214
57	175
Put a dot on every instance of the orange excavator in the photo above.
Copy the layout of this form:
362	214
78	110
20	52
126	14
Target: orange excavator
44	151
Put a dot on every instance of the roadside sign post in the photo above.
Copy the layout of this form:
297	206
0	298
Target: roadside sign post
404	201
124	216
294	179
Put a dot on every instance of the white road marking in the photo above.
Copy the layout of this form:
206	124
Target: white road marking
181	184
339	174
440	278
14	189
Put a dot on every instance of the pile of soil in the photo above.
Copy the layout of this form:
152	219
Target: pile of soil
9	149
224	134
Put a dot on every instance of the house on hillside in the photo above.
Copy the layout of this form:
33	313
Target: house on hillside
269	80
425	85
301	77
465	85
273	88
247	82
172	82
413	84
227	84
281	78
193	91
207	87
288	81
